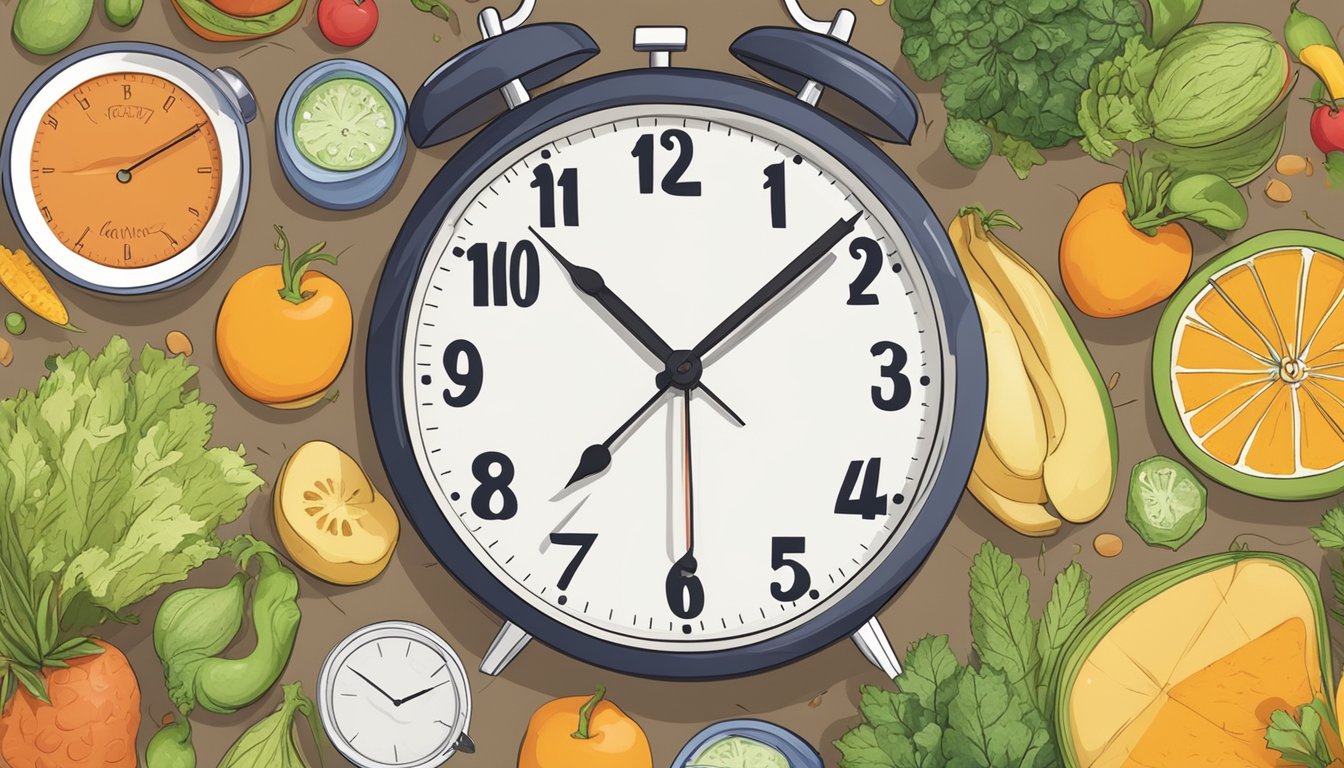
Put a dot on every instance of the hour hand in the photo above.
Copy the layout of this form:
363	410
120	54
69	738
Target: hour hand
375	686
590	282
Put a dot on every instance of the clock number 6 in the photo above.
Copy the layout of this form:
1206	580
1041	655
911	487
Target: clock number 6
802	580
493	482
672	184
469	378
892	371
685	594
870	503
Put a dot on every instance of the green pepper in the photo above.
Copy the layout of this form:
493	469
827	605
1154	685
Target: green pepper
225	686
194	625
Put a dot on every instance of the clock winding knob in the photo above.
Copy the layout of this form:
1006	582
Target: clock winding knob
660	43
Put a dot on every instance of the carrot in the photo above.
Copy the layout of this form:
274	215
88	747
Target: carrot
1109	267
284	331
90	720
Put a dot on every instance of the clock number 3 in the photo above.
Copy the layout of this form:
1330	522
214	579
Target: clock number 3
494	472
672	184
892	372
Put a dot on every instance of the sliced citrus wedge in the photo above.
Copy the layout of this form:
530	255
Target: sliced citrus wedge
1248	366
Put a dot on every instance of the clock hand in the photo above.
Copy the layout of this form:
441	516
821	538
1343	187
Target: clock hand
781	281
124	175
591	283
374	686
686	565
413	696
597	457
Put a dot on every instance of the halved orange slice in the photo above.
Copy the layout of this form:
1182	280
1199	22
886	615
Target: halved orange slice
1248	366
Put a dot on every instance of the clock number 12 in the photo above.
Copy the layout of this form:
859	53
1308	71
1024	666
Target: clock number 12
672	183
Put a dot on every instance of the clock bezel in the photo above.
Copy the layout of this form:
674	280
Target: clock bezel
402	630
962	338
235	166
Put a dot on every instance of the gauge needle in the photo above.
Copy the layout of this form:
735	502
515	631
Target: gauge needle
414	696
374	686
124	175
686	565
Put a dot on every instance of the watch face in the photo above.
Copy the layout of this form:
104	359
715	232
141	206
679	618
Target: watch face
126	169
391	695
803	458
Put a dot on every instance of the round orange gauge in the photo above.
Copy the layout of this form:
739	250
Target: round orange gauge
126	169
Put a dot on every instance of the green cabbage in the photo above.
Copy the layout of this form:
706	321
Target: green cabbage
968	142
1215	81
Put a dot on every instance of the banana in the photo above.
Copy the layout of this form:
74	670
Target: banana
1026	519
1081	466
1029	490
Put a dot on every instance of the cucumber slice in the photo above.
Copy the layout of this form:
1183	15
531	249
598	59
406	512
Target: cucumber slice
343	124
740	752
1166	503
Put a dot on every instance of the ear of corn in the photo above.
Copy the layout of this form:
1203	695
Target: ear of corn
22	278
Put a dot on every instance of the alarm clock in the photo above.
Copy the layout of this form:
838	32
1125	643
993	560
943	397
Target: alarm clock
674	370
395	694
127	166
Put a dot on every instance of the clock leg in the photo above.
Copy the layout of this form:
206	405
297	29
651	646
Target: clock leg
507	644
874	645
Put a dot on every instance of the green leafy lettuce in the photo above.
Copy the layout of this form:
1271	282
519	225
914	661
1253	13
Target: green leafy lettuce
1115	105
992	715
1018	67
109	481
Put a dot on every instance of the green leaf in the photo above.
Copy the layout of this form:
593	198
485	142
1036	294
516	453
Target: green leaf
1330	533
1301	741
272	742
1170	17
1021	155
931	672
1334	170
859	749
29	679
1210	200
1001	623
1064	613
991	727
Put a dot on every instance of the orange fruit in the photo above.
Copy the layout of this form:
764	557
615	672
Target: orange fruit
1248	367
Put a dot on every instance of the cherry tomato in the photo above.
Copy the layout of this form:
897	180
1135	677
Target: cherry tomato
347	22
1327	129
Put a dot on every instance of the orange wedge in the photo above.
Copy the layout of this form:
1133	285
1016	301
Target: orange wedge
1248	366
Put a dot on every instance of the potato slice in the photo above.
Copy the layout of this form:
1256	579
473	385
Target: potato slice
331	519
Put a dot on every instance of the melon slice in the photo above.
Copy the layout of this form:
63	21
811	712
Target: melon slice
1185	666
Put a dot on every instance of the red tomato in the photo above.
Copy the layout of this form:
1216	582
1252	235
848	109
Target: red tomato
1327	129
347	22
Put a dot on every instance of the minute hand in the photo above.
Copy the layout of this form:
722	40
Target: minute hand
591	283
786	277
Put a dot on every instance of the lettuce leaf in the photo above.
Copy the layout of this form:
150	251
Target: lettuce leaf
107	473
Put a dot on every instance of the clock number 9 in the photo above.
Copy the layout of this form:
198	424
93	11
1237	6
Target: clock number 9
672	184
685	593
493	483
892	371
802	580
468	378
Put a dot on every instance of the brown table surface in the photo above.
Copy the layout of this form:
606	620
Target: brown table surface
816	697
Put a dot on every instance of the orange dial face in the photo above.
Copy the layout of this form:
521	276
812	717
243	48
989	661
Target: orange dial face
126	169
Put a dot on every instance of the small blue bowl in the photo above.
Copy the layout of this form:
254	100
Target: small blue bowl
340	190
798	752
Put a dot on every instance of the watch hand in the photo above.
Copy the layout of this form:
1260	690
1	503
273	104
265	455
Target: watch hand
124	175
686	564
591	283
374	686
413	696
786	277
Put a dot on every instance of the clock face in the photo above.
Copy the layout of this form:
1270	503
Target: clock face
126	169
391	697
703	533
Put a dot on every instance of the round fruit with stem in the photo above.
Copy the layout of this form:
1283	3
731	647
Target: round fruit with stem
1327	128
347	23
284	330
584	731
1248	367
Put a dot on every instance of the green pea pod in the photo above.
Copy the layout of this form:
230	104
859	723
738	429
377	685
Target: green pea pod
225	686
271	743
194	625
123	13
171	747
